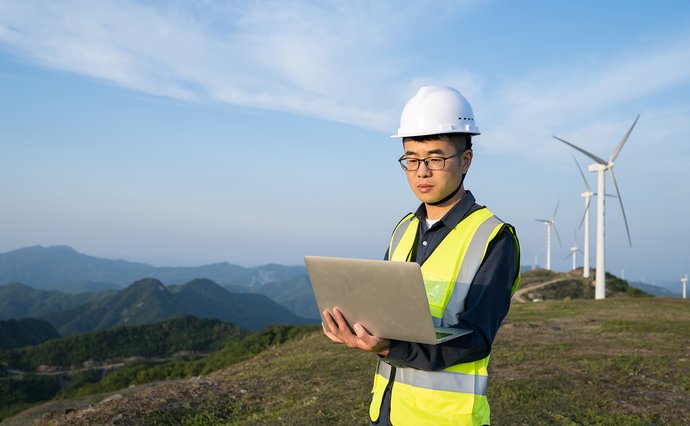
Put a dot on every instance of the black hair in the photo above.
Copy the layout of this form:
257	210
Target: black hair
461	141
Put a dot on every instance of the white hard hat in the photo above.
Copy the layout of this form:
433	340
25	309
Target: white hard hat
435	110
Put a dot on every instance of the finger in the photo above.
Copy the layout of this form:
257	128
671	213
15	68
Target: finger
329	321
343	325
330	335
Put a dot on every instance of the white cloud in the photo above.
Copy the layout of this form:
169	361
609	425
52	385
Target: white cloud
327	60
338	60
592	105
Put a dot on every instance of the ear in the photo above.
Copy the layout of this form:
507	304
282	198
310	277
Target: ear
466	158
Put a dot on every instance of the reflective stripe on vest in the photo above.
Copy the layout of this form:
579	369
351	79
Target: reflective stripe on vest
451	382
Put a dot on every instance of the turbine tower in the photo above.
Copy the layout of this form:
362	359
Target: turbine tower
550	223
684	281
601	166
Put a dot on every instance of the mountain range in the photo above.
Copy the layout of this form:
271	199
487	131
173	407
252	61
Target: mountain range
145	301
72	278
63	268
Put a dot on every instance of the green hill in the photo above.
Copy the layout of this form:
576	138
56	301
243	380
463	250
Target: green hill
25	332
622	360
19	301
542	284
150	340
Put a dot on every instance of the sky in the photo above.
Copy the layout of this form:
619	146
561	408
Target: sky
185	133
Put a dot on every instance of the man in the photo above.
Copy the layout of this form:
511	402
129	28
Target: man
470	264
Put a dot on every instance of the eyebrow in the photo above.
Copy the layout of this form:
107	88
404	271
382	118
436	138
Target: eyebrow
432	152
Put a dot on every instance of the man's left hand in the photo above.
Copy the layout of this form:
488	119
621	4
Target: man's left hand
357	337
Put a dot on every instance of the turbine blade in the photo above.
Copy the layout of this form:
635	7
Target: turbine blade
589	154
567	256
583	175
555	210
589	201
622	142
543	220
557	236
625	219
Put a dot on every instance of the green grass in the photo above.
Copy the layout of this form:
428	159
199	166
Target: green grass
619	361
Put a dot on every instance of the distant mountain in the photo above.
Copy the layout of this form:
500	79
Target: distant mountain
25	332
63	268
19	301
296	295
148	300
654	290
206	299
54	267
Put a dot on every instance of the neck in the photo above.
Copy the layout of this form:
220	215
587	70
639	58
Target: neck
437	211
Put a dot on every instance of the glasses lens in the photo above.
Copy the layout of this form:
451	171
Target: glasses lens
435	163
410	164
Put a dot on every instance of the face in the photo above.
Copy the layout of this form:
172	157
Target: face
431	186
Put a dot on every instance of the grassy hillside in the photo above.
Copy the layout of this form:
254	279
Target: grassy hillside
25	332
623	360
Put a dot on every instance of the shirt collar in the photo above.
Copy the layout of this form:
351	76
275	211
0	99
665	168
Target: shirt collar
454	215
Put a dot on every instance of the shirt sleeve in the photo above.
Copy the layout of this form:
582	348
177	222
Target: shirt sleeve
486	305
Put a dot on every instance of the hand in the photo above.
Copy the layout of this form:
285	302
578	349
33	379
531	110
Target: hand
339	331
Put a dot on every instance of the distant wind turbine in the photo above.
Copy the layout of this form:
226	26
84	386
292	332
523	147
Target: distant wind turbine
550	223
574	250
684	281
601	167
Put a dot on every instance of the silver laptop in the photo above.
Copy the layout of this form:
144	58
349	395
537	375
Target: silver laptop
388	298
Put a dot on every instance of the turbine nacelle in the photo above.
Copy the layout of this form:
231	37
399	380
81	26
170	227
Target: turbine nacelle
599	167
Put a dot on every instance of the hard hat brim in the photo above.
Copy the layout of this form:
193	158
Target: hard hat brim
414	134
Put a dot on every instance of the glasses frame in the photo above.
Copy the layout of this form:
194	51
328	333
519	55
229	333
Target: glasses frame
425	161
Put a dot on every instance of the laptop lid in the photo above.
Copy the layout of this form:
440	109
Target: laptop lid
388	298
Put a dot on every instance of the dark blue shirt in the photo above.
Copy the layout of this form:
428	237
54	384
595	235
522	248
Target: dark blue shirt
487	302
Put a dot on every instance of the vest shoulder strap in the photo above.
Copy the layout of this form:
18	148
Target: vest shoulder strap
405	232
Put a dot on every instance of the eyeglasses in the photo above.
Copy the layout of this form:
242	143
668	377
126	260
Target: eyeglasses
431	163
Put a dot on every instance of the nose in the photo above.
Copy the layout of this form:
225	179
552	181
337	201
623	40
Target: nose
423	170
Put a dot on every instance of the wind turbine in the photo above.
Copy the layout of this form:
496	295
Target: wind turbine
573	250
550	223
684	281
601	167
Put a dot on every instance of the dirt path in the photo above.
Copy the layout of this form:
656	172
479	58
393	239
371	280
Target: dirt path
519	295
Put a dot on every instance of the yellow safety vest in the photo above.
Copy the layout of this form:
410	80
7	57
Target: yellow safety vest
457	394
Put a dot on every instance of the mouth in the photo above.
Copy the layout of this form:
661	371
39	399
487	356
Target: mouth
424	187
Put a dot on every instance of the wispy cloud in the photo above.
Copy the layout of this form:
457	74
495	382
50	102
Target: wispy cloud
327	60
594	102
341	60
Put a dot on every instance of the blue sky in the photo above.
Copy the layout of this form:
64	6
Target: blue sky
182	133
